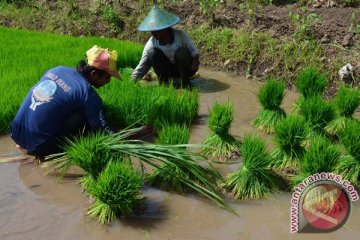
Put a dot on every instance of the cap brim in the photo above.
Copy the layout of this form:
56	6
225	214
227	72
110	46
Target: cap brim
115	74
145	28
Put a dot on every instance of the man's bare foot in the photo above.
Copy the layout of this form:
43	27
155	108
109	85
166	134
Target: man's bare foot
20	149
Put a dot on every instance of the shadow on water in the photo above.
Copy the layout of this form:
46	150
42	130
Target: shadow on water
209	85
154	212
200	119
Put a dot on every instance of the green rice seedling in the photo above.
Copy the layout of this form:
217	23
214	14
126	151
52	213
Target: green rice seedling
117	191
254	179
270	96
346	102
155	155
221	117
89	153
318	114
349	165
322	156
170	177
289	136
179	107
86	181
167	175
310	82
173	134
220	143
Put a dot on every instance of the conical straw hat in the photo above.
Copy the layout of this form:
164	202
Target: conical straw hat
158	19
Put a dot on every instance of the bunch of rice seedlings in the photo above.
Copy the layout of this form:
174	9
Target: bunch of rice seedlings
167	175
179	107
124	108
89	153
220	143
317	114
174	134
155	155
117	191
346	102
254	179
310	82
322	156
349	166
270	96
288	137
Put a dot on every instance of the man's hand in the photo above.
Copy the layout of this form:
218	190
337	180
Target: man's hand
143	132
150	76
147	77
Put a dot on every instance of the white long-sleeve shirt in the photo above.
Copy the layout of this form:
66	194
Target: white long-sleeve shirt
181	39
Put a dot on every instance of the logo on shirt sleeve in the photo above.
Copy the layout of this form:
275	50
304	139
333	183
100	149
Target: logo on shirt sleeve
42	93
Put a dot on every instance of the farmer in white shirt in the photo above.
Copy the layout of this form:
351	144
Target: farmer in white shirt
170	52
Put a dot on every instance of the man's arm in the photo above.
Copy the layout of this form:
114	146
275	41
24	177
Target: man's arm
144	65
195	63
190	45
193	51
95	116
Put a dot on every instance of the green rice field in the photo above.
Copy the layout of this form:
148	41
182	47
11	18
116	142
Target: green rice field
26	56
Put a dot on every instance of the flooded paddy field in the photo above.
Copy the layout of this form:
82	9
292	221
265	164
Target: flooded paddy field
37	206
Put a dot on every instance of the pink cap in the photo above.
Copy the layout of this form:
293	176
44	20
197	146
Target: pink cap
103	59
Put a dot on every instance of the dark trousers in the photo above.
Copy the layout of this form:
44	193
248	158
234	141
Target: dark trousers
73	124
164	69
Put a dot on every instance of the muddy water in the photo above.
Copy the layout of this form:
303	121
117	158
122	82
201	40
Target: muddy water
34	206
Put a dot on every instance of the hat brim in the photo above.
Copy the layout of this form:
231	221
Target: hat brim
115	74
158	19
146	28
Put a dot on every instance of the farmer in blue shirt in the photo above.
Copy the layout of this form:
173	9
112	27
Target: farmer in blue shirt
62	102
170	52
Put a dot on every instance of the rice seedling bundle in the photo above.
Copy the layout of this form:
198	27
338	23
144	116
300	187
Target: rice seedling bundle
318	114
173	134
349	165
121	102
24	61
270	96
89	153
156	155
221	117
117	191
289	136
220	143
322	156
310	82
167	175
254	179
346	102
173	106
174	177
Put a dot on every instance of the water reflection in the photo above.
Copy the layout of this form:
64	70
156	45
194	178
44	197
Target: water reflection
209	85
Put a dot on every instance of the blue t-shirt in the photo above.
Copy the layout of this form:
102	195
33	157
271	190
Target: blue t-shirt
60	91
